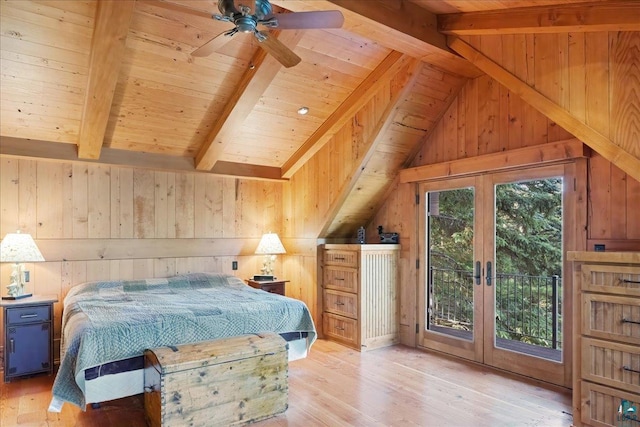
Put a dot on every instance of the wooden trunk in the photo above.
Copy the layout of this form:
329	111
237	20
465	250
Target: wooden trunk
230	381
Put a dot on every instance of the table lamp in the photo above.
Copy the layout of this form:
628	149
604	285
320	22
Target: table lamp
269	246
18	248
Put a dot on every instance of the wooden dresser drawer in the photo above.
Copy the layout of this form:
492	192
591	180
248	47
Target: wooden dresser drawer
340	257
611	317
343	279
612	364
604	406
342	303
340	328
622	280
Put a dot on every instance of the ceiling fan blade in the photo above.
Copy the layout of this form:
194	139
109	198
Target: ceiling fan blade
278	50
306	20
214	44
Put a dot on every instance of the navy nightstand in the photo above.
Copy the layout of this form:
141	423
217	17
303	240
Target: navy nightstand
28	336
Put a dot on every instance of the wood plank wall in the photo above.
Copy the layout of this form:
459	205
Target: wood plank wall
312	193
98	206
594	75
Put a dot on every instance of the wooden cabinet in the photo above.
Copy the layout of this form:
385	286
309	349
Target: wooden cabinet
272	286
360	294
28	335
606	363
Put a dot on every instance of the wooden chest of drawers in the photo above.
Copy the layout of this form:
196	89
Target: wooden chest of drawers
360	294
606	368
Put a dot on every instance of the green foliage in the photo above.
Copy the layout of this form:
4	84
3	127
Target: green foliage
451	229
529	227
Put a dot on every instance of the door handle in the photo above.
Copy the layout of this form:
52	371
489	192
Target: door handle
12	345
488	278
477	276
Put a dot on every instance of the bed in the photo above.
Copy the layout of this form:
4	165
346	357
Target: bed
106	326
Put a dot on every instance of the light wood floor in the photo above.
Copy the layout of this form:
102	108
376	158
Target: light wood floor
336	386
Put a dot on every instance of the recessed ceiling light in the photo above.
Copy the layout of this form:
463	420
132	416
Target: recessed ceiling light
303	110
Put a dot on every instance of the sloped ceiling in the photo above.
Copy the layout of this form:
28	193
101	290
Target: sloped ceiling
115	82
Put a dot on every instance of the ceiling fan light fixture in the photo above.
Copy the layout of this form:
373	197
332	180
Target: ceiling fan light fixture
245	24
247	18
303	110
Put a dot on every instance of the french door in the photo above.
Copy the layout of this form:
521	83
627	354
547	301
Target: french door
491	286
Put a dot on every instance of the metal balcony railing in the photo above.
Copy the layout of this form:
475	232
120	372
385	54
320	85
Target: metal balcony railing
528	308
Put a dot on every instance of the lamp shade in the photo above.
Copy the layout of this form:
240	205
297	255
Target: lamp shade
19	247
270	244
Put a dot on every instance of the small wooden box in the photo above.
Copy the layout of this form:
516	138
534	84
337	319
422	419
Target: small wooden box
224	382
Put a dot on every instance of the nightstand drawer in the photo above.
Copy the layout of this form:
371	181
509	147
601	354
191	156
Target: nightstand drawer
21	315
275	288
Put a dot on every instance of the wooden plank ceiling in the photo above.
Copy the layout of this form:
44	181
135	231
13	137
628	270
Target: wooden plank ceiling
114	82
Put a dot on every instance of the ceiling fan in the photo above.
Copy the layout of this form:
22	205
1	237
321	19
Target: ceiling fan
246	18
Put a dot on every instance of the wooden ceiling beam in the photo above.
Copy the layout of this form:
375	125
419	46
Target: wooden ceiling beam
537	155
594	139
402	16
601	16
388	68
243	170
57	151
396	24
107	52
246	95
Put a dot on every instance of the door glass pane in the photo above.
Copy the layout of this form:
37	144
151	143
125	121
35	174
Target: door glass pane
528	267
450	281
